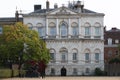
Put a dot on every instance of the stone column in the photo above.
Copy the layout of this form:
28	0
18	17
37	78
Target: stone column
57	29
69	28
46	28
79	27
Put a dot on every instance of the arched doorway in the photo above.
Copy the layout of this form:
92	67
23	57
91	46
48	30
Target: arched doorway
63	71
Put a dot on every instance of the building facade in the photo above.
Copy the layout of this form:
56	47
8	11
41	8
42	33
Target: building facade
74	36
111	51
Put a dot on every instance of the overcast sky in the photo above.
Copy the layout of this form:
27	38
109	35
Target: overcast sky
111	8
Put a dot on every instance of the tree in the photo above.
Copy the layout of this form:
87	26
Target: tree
19	44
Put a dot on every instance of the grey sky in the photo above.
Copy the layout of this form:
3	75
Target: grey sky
109	7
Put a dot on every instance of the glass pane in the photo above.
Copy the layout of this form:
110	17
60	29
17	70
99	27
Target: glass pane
87	31
52	31
96	56
52	56
97	31
74	56
63	30
41	31
63	57
75	31
86	56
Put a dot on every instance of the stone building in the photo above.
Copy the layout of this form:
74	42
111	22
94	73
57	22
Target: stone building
74	36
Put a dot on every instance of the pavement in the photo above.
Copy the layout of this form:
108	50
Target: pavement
66	78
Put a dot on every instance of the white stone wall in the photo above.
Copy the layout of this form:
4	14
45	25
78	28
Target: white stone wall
81	44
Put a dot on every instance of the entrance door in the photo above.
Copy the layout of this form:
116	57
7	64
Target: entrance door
63	71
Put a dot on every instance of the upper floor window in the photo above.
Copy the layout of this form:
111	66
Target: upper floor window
75	29
52	29
74	56
97	56
41	31
63	30
116	41
87	56
109	41
1	29
87	31
30	26
97	31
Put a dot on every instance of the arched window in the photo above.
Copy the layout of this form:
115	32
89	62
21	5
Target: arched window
52	29
64	54
87	55
75	29
87	30
52	55
41	29
75	54
63	30
97	29
97	55
30	26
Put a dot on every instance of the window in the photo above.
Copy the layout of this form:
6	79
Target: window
97	56
87	56
52	31
75	71
87	31
30	26
87	70
1	29
116	41
41	31
64	53
63	30
52	71
63	56
109	41
75	31
74	56
97	31
52	55
109	53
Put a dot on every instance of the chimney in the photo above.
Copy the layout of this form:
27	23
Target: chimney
37	7
47	5
55	5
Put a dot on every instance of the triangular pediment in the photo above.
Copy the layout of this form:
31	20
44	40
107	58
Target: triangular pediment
62	10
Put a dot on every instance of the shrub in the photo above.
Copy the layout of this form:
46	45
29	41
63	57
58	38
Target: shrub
99	72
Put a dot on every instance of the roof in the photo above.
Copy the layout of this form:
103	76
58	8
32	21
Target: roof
10	19
45	10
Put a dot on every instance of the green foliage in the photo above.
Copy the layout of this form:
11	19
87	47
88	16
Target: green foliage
99	72
17	41
114	60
